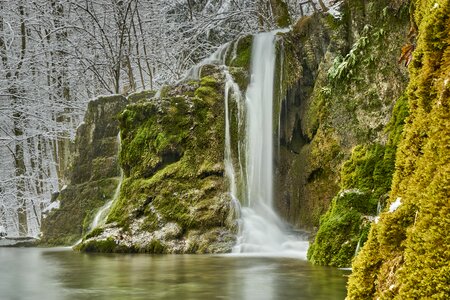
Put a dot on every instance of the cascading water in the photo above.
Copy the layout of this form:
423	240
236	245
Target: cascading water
261	231
100	217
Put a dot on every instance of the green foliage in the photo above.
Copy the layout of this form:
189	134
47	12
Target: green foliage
343	67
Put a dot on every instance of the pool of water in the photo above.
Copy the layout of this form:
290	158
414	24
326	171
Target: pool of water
58	273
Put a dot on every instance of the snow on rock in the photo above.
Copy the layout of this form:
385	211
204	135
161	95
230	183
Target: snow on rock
51	206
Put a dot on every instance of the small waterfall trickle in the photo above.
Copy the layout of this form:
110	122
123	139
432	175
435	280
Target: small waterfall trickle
230	86
216	58
262	232
100	217
358	247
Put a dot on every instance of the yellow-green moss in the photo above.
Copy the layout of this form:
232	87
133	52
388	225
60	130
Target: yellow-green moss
412	243
342	227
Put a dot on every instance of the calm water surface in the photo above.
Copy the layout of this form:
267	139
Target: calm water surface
32	273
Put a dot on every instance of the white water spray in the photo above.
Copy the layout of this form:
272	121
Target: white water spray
262	231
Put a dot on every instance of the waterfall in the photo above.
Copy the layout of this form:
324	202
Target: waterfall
262	232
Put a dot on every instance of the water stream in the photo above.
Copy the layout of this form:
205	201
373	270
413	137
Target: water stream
100	217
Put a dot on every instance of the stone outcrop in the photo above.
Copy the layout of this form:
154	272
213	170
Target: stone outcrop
93	175
174	197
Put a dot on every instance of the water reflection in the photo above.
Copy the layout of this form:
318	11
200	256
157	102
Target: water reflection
63	274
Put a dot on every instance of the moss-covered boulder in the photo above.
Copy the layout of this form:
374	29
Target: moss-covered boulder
407	254
93	175
174	198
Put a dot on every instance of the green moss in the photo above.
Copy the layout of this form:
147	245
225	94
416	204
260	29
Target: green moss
342	227
243	53
95	232
102	246
241	77
365	171
365	181
397	122
155	246
411	253
172	154
338	235
78	206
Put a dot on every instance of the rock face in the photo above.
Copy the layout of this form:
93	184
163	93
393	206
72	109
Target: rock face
407	253
174	197
340	81
93	175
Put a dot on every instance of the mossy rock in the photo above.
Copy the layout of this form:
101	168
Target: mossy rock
78	206
242	57
94	174
322	117
172	157
366	180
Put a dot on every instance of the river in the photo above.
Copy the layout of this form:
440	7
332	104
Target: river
60	273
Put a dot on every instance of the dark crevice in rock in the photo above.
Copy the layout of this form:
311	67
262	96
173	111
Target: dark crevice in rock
166	159
315	174
205	174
